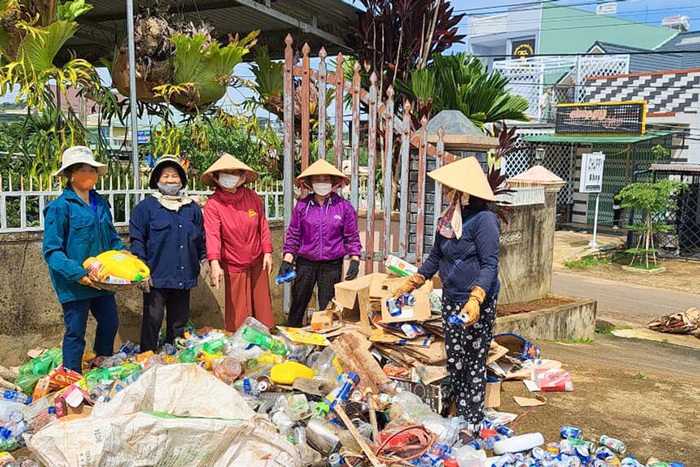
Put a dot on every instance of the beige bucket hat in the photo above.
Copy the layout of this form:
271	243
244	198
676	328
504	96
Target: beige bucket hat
322	167
80	155
465	175
227	162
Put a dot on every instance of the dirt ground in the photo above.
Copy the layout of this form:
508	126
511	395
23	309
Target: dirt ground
533	305
680	275
644	393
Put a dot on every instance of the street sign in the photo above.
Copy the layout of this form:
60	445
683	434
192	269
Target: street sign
608	8
143	136
592	165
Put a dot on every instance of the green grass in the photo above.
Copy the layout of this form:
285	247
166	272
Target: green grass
641	376
587	262
608	331
665	341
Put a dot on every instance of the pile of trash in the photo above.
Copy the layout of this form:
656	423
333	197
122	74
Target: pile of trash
687	322
364	384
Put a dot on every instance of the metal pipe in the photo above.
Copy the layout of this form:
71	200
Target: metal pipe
132	93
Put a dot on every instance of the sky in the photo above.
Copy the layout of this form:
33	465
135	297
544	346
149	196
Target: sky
645	11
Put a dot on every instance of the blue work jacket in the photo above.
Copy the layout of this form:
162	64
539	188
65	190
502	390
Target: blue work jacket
468	261
171	243
74	231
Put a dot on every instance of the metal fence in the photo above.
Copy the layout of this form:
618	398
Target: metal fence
22	204
683	239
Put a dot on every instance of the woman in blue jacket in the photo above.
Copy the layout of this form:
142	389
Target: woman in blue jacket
78	225
466	255
167	233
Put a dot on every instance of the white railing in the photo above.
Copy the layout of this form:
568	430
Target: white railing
531	77
22	210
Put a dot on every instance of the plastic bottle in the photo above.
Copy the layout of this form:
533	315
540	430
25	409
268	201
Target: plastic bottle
118	264
9	444
8	408
228	369
289	277
340	395
265	359
327	366
14	396
519	443
467	456
265	341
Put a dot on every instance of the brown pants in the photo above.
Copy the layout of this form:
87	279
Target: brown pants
248	294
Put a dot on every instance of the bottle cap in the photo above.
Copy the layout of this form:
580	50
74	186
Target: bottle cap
354	377
52	410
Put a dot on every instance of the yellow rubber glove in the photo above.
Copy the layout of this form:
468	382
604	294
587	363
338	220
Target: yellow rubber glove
412	283
473	305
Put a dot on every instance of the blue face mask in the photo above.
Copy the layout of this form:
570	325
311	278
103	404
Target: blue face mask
170	189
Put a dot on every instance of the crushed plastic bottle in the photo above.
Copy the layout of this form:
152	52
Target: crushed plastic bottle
14	396
227	369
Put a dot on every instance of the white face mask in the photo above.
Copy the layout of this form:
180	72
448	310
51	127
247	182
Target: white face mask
228	180
322	189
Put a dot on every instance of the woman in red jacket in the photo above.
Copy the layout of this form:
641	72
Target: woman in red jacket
239	246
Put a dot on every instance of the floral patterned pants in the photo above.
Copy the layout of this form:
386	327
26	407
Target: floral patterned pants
467	349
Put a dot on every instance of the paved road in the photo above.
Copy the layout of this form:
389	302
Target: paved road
617	300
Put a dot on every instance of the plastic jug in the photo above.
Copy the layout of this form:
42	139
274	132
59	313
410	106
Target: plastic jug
117	264
467	456
287	372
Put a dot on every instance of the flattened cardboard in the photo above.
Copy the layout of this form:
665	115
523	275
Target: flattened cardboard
493	395
419	312
321	320
529	401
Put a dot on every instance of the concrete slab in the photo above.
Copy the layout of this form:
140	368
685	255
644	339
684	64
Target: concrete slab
684	340
572	321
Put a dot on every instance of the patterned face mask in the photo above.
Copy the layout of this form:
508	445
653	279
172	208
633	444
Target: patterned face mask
450	222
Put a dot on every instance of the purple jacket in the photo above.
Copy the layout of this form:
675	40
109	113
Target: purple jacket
323	233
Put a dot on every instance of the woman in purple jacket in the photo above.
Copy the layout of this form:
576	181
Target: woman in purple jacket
323	230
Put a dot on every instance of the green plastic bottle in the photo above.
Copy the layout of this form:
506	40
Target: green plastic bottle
265	341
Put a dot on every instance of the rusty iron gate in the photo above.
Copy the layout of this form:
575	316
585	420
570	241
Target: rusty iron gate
300	81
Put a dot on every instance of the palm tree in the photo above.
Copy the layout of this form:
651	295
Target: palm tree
460	82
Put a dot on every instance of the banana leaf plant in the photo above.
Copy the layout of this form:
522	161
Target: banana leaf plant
460	82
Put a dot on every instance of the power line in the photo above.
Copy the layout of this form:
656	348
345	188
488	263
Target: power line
535	5
574	17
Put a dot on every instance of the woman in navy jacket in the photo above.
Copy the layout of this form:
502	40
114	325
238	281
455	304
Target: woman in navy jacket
466	255
167	233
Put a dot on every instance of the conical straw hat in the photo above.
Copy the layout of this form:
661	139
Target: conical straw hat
227	162
465	175
321	167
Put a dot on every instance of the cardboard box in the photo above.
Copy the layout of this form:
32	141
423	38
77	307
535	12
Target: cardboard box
419	312
493	395
321	320
353	297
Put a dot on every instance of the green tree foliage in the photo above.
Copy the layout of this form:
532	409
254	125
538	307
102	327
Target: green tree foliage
204	139
654	199
460	82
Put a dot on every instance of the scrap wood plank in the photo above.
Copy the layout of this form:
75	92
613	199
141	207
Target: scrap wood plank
353	353
358	437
